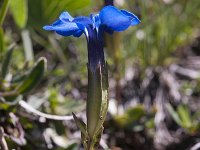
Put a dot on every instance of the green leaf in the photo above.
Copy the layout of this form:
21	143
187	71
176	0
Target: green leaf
18	78
6	61
3	11
94	100
130	116
1	45
11	100
33	77
1	41
174	114
97	137
184	115
84	140
136	113
150	123
19	9
81	125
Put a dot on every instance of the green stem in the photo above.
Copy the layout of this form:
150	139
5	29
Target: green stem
94	100
4	11
90	146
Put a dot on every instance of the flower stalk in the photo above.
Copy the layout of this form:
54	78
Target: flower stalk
97	103
97	99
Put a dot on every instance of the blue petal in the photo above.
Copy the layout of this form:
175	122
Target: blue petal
96	20
65	16
83	22
78	33
134	19
65	33
50	27
63	28
112	18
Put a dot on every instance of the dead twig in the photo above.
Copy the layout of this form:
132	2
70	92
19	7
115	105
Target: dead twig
3	143
28	108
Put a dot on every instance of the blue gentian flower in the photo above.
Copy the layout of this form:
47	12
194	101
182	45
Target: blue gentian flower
109	19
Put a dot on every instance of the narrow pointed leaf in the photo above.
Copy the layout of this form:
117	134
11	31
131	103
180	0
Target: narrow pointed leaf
104	98
174	114
1	42
81	125
18	78
84	140
94	100
12	99
33	77
97	137
19	9
3	10
6	61
184	116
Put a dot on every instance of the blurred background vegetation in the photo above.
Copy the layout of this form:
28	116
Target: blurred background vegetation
154	74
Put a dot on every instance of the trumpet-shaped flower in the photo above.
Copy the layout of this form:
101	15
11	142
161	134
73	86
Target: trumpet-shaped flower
109	19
